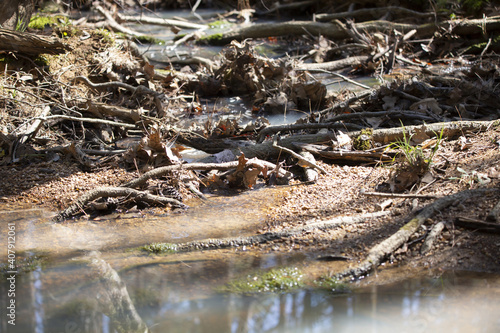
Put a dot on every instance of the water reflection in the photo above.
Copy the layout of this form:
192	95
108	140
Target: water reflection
175	294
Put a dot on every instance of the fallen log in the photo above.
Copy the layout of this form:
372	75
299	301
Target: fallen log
161	21
372	13
334	31
30	44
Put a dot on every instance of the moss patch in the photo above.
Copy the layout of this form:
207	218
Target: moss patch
364	140
160	248
332	284
214	39
276	280
24	264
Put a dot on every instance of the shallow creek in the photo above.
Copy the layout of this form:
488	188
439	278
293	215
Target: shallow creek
178	292
94	266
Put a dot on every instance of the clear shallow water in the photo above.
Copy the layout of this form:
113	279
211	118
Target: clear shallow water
177	296
77	291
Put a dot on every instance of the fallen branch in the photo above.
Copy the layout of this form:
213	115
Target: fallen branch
334	65
343	77
347	155
432	237
331	123
380	251
106	192
399	195
302	161
373	13
111	22
336	31
88	120
161	21
466	222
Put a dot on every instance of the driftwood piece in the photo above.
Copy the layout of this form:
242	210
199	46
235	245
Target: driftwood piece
161	21
432	237
265	150
335	65
331	123
338	32
115	26
329	30
30	44
104	192
450	129
88	120
346	155
380	251
469	223
372	13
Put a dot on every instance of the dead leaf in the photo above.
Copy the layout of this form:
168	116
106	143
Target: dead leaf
250	177
419	135
242	162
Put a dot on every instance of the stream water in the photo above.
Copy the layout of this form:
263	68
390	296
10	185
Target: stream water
179	292
80	290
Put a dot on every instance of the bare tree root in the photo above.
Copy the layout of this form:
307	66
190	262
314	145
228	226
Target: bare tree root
115	192
380	251
220	243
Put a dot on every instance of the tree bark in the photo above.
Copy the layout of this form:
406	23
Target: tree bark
16	14
30	44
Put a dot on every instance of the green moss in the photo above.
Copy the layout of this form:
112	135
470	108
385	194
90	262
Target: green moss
214	39
149	40
42	60
105	36
220	24
276	280
24	264
332	284
160	248
40	22
364	140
